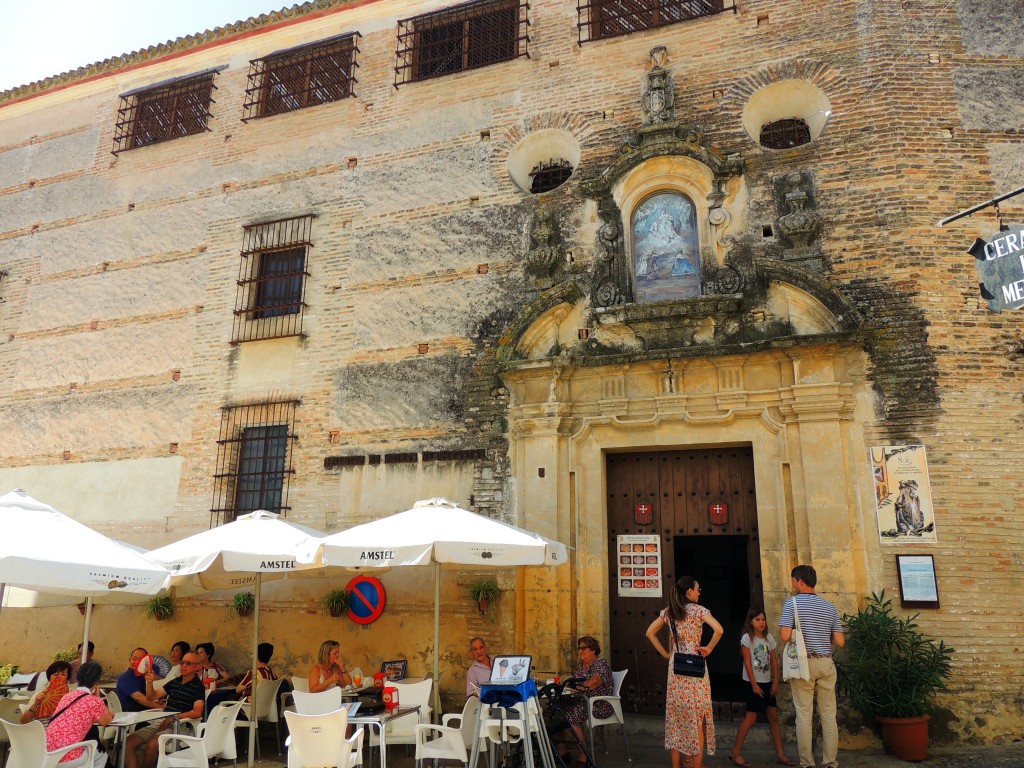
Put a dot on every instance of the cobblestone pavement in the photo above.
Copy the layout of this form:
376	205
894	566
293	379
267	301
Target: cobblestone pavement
649	751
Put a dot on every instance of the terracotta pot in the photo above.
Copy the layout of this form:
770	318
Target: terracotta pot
908	736
336	612
483	603
244	611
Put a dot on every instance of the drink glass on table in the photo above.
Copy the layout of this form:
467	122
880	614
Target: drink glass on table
357	680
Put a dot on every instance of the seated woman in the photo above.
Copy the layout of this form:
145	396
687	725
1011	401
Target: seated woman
44	703
211	669
594	677
76	713
329	669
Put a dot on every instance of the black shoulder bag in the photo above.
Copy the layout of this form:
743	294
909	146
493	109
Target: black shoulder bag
93	734
686	664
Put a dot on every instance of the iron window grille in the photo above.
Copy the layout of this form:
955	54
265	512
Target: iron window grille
550	175
301	77
170	110
601	19
254	460
270	300
785	133
464	37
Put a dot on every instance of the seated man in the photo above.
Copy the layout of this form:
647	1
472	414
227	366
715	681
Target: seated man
185	695
479	671
73	674
131	686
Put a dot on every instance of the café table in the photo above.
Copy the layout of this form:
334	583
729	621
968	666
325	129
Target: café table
379	720
125	720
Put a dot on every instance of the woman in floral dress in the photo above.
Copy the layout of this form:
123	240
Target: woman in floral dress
689	724
594	678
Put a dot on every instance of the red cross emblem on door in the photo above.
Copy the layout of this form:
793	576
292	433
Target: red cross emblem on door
642	514
719	513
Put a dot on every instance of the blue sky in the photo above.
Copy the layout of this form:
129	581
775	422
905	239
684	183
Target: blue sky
73	33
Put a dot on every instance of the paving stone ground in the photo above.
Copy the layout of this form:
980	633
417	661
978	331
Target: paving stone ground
647	749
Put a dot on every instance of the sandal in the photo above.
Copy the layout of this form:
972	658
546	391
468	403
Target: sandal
739	761
783	760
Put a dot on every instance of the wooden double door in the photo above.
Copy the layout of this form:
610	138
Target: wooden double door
701	505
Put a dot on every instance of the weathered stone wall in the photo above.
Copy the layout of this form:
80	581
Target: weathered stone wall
116	317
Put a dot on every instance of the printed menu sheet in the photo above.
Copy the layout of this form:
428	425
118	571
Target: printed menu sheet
639	565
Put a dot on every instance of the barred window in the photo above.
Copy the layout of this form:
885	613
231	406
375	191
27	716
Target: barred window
162	112
785	133
270	300
254	459
464	37
600	19
301	77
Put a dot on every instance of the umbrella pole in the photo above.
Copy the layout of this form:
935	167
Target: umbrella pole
437	642
253	725
85	631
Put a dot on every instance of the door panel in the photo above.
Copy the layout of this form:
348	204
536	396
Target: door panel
680	486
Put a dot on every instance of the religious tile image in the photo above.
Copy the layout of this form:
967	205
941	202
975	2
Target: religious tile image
666	260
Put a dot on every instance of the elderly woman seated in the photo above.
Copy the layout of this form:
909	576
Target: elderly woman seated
44	702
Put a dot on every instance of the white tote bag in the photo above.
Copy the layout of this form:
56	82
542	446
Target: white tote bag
794	653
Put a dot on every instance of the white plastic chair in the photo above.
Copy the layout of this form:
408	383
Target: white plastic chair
437	742
265	702
403	730
214	738
298	684
318	741
9	710
615	700
318	703
28	747
465	723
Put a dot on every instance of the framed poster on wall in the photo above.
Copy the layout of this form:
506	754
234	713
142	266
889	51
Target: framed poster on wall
919	588
904	506
638	565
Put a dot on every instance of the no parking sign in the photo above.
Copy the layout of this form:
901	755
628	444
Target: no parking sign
366	599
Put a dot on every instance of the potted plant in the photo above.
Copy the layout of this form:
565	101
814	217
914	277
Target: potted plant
68	655
6	670
336	602
484	591
890	671
243	603
160	607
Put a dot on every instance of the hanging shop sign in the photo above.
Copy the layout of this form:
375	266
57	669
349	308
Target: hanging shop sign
903	494
639	565
999	261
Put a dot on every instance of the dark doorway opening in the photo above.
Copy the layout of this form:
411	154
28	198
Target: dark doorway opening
720	565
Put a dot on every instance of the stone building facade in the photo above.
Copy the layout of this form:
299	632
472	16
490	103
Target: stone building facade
598	269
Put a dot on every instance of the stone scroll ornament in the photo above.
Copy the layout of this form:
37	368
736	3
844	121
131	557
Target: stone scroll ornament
999	261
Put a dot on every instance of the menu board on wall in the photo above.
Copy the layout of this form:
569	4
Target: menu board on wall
639	565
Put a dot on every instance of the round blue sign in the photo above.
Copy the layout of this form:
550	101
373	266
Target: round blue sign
366	599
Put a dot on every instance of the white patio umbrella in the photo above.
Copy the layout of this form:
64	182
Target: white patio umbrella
438	531
46	551
259	544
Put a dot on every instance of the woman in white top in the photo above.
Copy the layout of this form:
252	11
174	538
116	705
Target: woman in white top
330	669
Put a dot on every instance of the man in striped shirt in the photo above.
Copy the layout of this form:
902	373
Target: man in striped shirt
821	629
186	696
